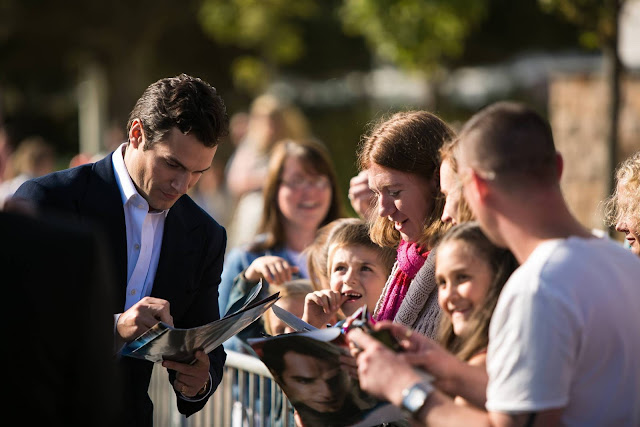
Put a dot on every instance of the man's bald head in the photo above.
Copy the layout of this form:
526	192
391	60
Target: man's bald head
509	143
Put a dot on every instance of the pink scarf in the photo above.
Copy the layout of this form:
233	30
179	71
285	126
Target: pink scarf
410	260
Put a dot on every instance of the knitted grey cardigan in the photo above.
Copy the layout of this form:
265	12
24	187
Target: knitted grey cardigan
419	309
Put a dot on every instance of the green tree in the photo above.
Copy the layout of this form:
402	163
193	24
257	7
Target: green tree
414	34
271	28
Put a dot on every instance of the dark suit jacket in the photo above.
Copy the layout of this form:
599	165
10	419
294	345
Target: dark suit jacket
188	273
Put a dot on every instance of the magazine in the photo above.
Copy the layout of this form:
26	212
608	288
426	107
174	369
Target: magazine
309	368
163	342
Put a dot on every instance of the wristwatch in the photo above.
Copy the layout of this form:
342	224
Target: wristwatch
414	397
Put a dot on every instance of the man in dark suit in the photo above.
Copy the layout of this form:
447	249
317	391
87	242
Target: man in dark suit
167	252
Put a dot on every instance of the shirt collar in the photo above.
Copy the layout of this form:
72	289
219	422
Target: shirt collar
128	191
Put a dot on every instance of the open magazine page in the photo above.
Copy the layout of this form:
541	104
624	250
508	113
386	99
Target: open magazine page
307	366
162	342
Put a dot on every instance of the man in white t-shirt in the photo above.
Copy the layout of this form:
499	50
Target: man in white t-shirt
564	340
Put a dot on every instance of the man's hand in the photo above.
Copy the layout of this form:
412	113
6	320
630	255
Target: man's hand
191	379
141	317
381	372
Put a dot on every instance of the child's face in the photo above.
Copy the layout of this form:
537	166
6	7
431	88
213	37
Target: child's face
625	223
356	271
294	305
463	280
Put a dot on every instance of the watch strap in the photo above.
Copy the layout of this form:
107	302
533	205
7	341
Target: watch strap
415	397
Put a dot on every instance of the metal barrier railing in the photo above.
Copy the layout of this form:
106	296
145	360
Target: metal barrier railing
246	397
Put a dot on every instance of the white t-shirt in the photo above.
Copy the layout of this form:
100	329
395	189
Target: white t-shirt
566	334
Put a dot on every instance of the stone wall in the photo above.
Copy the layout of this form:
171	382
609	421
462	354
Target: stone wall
578	115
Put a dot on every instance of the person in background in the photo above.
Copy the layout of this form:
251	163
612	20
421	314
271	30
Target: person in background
212	195
584	373
401	158
357	270
167	253
270	120
32	158
622	208
300	196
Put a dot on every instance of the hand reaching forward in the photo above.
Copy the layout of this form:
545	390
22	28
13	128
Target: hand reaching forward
273	269
452	375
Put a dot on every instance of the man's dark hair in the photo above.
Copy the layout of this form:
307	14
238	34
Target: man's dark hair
508	138
184	102
273	351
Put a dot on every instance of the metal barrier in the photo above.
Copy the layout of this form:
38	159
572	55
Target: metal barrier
246	397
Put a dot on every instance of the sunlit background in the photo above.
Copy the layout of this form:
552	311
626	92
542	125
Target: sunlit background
71	71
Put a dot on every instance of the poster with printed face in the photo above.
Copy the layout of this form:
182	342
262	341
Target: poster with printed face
313	370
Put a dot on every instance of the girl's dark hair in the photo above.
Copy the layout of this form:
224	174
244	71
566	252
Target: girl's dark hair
408	142
502	264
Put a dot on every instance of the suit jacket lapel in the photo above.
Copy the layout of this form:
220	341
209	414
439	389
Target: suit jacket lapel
177	260
103	200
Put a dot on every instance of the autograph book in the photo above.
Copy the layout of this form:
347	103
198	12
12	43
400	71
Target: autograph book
163	342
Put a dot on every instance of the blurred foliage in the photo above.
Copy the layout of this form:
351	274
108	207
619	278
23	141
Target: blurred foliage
300	35
240	46
415	34
597	19
45	45
270	27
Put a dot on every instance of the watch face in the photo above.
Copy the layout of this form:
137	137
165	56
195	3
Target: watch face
416	399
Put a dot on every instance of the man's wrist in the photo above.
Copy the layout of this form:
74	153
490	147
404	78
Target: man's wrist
414	398
403	381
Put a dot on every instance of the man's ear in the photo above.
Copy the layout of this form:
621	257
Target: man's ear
481	186
136	133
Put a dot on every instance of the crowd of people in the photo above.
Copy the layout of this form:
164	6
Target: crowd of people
507	310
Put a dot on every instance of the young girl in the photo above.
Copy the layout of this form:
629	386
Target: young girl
357	270
470	273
